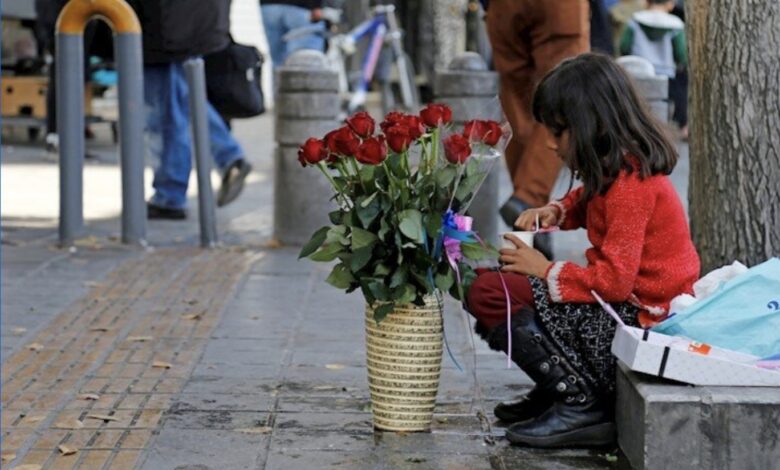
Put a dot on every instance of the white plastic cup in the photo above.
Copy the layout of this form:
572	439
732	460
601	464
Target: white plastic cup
525	237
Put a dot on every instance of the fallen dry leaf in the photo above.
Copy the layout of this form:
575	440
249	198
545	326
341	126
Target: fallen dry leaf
18	331
257	430
28	466
66	450
139	338
162	364
33	419
103	417
69	424
7	456
89	396
334	366
35	346
88	242
273	244
192	316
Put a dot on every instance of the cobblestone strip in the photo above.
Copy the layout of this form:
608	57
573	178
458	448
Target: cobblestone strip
119	353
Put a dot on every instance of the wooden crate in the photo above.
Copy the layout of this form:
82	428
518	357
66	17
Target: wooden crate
26	96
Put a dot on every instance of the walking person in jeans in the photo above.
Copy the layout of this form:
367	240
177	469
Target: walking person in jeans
173	31
283	16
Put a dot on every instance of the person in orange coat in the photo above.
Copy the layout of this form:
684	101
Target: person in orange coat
530	37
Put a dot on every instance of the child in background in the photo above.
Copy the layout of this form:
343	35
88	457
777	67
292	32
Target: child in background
658	36
642	257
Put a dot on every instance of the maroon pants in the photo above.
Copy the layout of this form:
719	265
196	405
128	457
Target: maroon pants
487	298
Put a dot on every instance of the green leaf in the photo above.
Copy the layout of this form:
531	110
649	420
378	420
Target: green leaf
379	289
315	242
382	311
337	234
445	176
433	224
399	277
367	209
336	217
382	270
327	252
367	174
404	294
362	238
411	225
444	281
477	252
360	258
468	185
384	228
340	277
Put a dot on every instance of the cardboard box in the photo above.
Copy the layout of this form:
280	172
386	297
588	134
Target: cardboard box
688	361
685	360
26	96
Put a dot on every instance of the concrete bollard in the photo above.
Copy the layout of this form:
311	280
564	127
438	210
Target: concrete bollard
471	90
653	88
307	105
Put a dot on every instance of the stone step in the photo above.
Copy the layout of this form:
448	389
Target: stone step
663	424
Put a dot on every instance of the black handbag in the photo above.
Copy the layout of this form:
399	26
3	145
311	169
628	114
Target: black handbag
233	81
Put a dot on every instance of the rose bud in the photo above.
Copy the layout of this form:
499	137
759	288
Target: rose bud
456	149
435	114
415	126
312	152
362	124
475	130
342	141
372	151
392	118
493	135
399	138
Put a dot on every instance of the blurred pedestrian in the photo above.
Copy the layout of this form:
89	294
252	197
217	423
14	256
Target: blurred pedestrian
174	31
282	16
658	36
529	38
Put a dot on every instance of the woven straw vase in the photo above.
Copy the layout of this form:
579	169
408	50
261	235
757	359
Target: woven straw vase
403	353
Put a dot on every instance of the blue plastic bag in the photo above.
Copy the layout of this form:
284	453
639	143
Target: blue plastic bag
742	315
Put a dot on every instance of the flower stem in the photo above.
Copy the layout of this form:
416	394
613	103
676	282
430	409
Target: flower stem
336	186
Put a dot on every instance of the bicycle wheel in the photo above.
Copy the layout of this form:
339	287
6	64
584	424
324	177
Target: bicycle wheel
392	94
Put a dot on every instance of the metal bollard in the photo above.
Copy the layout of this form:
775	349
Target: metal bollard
70	114
308	105
196	81
471	90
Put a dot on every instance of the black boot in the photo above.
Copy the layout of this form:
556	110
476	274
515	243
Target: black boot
535	402
577	417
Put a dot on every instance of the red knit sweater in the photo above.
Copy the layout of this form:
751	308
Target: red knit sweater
642	250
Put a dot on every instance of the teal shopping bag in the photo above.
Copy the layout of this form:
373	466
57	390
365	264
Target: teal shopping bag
742	315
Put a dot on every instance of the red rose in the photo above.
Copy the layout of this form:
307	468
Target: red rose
362	124
372	151
342	141
475	130
415	125
435	114
456	148
399	138
312	151
493	135
392	118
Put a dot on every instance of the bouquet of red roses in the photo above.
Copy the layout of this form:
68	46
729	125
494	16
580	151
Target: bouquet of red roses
401	195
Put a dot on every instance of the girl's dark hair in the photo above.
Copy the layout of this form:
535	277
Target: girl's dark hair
592	97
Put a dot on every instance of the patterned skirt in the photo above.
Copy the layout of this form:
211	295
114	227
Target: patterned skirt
583	333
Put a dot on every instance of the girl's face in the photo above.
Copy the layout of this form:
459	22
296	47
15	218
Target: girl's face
558	142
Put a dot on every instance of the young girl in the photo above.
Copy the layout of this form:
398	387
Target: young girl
642	257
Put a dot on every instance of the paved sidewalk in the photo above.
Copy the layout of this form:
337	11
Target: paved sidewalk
236	358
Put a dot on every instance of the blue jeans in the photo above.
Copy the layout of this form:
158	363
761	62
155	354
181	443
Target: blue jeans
278	20
168	134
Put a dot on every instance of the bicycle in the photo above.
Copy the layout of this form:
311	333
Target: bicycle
382	27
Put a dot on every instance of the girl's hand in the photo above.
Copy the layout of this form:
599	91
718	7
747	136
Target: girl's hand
523	259
548	216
